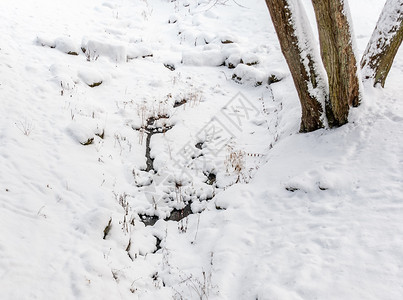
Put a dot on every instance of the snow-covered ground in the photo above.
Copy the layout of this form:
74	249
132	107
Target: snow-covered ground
169	112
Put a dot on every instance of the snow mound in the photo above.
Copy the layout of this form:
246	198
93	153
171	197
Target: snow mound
115	51
248	75
250	59
64	75
91	77
45	41
81	133
138	50
64	44
228	38
233	60
210	57
233	53
196	38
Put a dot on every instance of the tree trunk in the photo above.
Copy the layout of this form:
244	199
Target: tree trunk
384	43
304	63
332	17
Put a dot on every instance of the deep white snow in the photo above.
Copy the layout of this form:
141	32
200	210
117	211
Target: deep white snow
275	214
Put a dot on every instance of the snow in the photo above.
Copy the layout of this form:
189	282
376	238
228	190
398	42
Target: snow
249	75
307	216
205	57
94	48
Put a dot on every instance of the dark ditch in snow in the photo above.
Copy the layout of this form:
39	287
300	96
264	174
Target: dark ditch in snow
95	84
180	103
107	228
157	244
199	145
176	215
211	178
150	130
169	67
148	220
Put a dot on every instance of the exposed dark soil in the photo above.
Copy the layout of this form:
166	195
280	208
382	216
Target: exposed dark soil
148	220
87	142
176	215
95	84
179	214
180	103
157	244
169	67
211	178
199	145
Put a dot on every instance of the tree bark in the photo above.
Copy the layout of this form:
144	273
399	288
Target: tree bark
337	53
296	45
384	43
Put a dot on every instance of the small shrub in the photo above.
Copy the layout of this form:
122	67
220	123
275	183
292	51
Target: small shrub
26	127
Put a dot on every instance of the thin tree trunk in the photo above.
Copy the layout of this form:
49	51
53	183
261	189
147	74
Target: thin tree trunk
336	47
384	43
304	63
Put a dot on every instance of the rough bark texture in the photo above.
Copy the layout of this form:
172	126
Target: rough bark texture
338	57
300	62
384	43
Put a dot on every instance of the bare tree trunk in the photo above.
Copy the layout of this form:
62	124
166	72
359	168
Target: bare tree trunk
384	43
337	53
295	42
